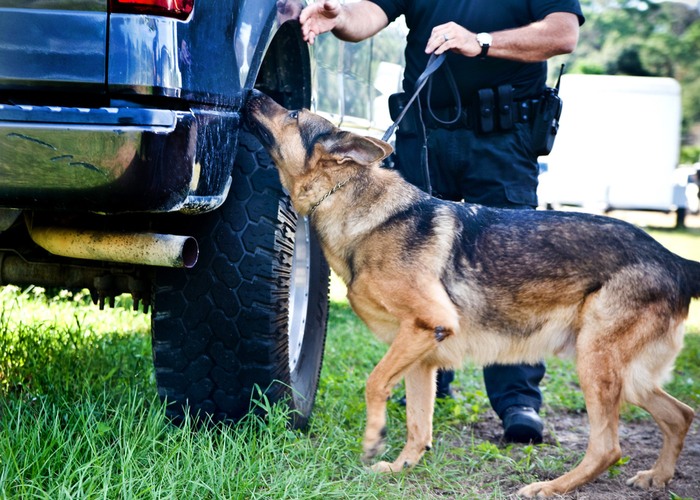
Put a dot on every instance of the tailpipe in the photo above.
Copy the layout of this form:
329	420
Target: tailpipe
150	249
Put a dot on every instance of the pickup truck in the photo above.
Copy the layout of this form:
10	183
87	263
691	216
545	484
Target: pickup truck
124	168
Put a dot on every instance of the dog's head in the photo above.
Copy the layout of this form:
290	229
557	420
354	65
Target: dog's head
312	155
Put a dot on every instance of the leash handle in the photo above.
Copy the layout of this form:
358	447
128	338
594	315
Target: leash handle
455	93
433	64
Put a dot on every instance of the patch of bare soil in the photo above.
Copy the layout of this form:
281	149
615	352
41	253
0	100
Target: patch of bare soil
640	441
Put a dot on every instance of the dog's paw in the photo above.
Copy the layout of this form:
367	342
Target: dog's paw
648	478
373	450
542	489
383	468
374	447
400	465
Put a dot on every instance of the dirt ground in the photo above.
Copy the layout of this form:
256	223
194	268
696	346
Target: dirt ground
640	441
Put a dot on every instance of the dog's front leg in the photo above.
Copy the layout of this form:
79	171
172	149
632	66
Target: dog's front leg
403	358
420	402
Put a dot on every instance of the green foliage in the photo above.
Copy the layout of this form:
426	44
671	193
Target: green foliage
690	155
614	470
587	68
685	383
57	346
673	496
560	387
641	38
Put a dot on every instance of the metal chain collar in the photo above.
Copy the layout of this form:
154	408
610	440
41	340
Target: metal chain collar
335	188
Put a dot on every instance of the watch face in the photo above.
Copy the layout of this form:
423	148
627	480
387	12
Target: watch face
484	39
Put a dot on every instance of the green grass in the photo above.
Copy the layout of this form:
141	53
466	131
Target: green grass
73	427
80	418
686	243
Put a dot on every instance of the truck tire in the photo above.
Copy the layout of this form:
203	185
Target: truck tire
251	313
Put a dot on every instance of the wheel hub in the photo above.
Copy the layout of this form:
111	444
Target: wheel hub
299	290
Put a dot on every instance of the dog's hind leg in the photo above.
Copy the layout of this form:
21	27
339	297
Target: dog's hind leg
601	382
675	419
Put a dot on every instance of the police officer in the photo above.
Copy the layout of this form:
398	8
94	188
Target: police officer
496	53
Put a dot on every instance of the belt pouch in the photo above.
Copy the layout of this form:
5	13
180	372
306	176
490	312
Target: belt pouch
485	120
397	102
505	107
524	110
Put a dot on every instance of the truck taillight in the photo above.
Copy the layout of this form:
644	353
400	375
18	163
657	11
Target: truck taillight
180	9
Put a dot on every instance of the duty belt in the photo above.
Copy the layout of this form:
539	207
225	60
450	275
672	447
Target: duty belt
487	116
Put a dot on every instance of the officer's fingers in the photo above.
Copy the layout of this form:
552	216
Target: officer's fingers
437	40
450	30
440	28
308	13
331	5
430	47
331	9
309	37
433	34
306	28
444	47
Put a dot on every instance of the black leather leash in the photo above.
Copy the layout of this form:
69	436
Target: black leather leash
434	62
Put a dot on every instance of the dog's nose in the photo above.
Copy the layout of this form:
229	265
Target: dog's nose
253	94
252	103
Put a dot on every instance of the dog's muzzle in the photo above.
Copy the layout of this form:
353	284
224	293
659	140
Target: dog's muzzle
252	107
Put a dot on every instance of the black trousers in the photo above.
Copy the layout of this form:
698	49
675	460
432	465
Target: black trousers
497	170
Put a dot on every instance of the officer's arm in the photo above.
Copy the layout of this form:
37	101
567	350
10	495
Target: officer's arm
352	22
555	34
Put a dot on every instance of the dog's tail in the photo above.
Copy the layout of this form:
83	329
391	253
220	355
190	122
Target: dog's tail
693	272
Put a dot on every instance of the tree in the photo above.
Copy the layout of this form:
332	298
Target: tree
641	38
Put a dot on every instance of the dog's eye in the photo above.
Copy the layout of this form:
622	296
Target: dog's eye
294	115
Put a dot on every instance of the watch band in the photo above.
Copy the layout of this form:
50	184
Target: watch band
484	40
484	51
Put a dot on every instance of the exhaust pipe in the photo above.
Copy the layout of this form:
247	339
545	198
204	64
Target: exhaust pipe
150	249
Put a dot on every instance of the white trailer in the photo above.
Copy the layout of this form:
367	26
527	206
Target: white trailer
618	145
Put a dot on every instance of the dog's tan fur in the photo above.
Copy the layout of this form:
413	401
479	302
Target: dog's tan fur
441	282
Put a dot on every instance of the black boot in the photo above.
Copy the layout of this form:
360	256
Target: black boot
522	424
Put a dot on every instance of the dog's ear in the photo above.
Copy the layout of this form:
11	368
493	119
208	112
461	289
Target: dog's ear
363	150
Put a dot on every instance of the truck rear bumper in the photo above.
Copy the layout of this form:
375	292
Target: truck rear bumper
114	160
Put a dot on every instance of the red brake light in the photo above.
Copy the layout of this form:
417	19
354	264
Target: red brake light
180	9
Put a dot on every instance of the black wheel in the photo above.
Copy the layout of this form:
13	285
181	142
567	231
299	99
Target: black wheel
252	311
681	213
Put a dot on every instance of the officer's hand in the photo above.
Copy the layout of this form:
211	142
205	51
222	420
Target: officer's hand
452	36
319	17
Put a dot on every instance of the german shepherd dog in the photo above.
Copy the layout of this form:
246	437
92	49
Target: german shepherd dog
442	281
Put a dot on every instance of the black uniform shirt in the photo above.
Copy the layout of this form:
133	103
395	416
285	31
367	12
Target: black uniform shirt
473	73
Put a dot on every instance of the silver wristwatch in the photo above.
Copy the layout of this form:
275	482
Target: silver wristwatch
484	40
